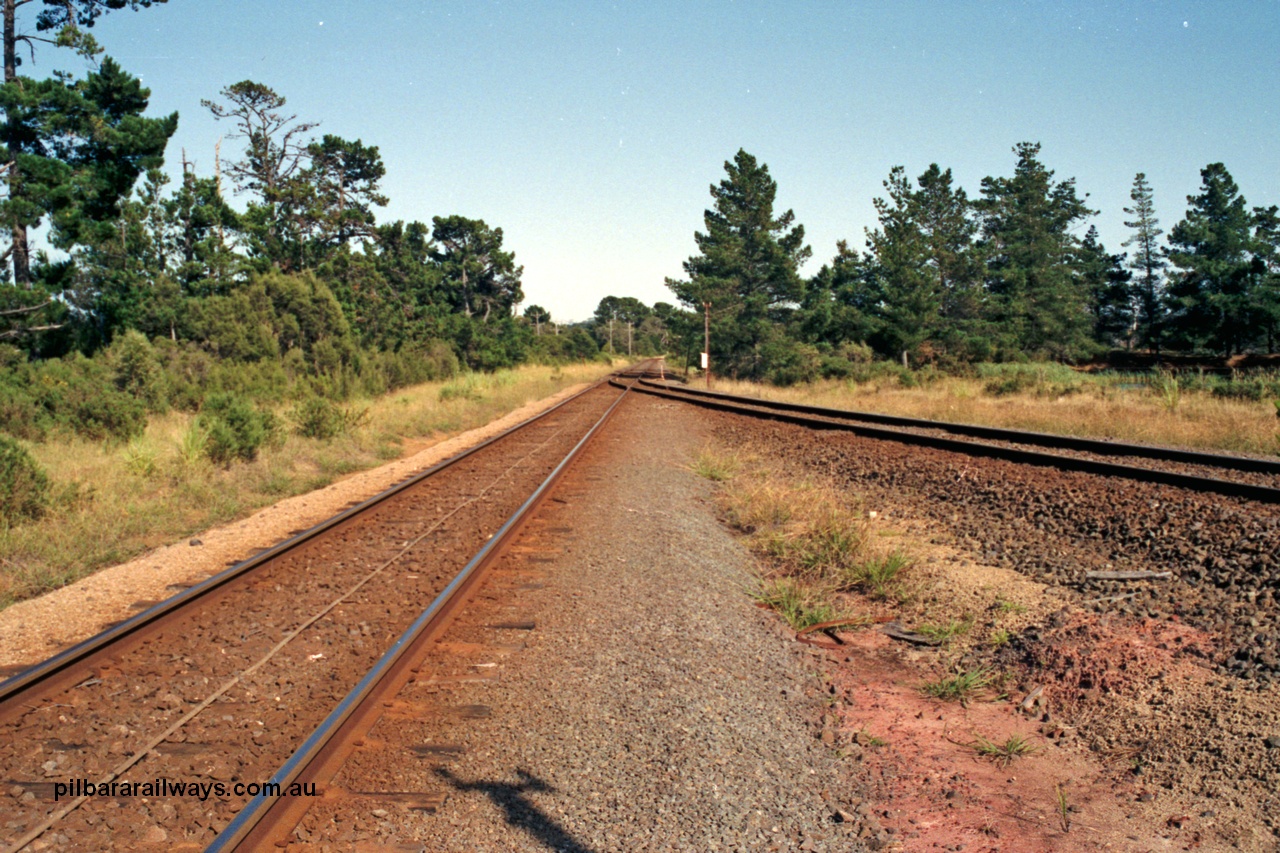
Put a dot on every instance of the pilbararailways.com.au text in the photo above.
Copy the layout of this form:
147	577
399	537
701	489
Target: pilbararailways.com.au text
169	788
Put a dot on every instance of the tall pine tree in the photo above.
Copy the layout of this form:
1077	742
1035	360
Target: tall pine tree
929	274
1036	300
1209	291
747	267
64	18
1148	262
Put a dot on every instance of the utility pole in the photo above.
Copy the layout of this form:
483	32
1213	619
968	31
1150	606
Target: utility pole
612	317
706	330
628	339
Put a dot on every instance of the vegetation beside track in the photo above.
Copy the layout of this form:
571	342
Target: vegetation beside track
109	501
1203	412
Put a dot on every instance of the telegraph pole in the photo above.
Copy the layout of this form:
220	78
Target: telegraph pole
706	331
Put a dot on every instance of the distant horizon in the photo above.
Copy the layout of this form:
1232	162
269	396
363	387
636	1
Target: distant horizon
591	135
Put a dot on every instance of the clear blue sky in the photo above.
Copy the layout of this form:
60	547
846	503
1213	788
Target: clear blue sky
590	132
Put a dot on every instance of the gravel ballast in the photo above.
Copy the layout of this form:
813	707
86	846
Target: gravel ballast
653	706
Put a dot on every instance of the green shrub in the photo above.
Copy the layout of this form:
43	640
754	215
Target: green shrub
78	395
790	363
20	414
234	429
24	488
316	417
138	372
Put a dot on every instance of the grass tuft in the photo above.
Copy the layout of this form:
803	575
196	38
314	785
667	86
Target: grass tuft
714	466
946	633
1000	637
959	687
1004	753
878	577
801	606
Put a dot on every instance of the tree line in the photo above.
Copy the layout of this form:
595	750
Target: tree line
1006	276
300	270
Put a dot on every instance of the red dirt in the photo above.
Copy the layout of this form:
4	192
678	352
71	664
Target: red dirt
935	792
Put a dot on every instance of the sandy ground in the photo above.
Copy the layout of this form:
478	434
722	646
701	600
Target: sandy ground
36	629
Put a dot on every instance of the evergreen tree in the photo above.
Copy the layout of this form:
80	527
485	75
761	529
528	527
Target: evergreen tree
1148	262
81	147
1109	286
334	200
1209	293
929	274
747	267
65	17
198	236
1036	301
276	151
537	315
1266	272
476	273
842	302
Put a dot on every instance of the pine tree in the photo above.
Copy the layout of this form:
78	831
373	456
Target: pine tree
65	17
1266	271
1036	300
1148	262
477	274
928	270
1209	293
1110	290
336	194
276	150
747	267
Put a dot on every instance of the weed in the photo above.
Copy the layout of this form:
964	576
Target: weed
1064	809
316	417
948	632
714	466
140	459
1009	606
1167	389
1003	753
466	388
191	445
831	540
959	687
800	606
876	577
1000	637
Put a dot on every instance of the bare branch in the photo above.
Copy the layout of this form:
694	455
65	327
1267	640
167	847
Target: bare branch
30	309
17	333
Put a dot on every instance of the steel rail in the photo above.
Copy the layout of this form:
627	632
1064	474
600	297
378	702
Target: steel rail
1101	447
46	670
1248	491
257	825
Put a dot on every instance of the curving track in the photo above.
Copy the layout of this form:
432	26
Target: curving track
1149	540
227	680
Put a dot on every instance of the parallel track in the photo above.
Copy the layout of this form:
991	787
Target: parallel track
925	433
33	688
267	821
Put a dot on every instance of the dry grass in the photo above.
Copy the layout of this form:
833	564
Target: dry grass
114	502
1088	407
815	539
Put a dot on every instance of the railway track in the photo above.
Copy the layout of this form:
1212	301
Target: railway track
258	674
1250	478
